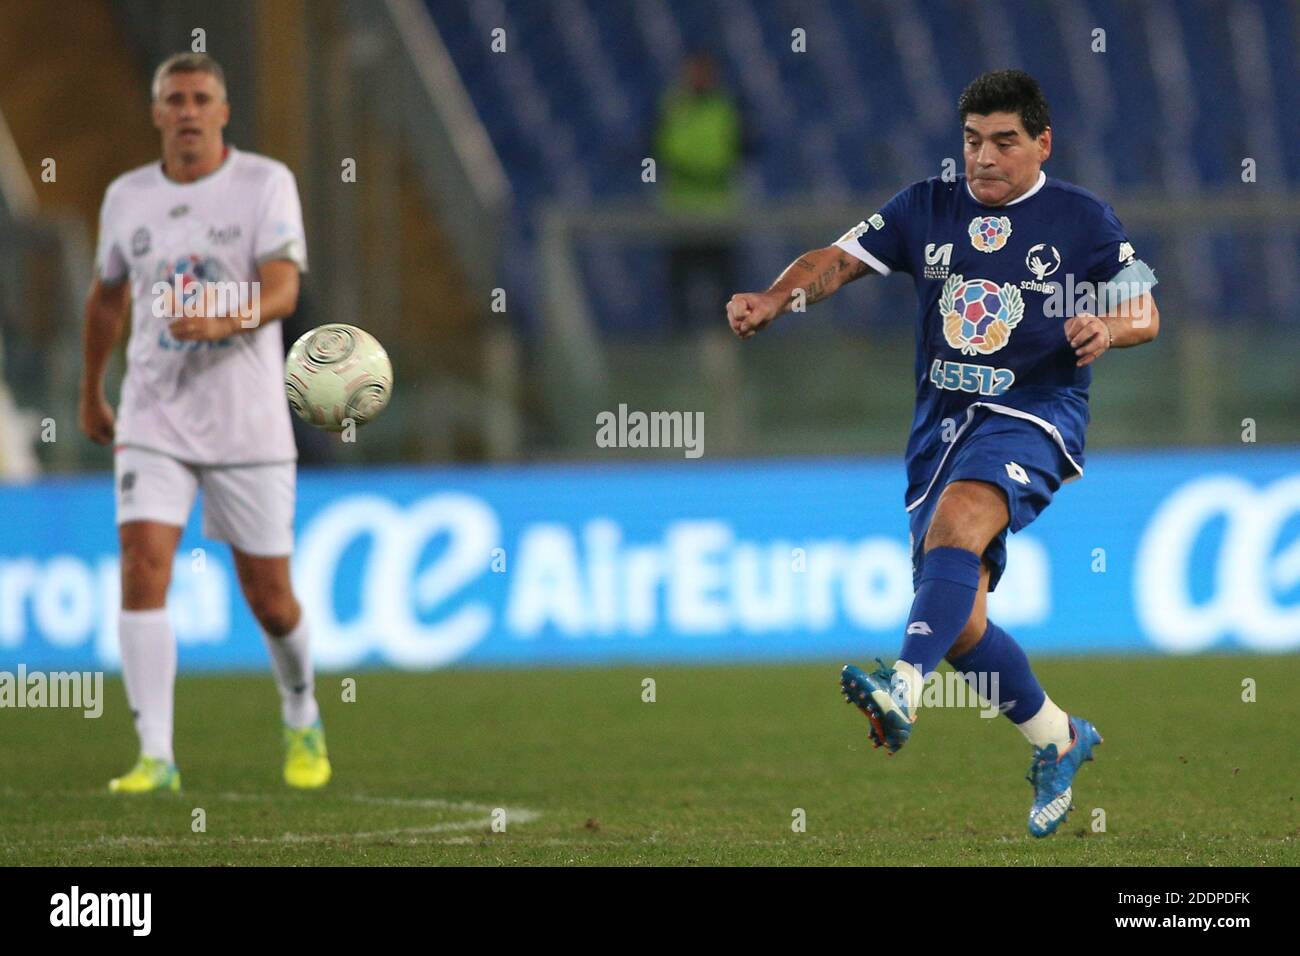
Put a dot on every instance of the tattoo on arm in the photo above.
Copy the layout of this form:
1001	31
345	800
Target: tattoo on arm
850	267
845	269
822	286
827	275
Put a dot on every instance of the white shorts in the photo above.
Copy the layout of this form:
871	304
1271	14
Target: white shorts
250	507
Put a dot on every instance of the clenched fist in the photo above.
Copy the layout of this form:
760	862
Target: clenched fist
95	416
751	312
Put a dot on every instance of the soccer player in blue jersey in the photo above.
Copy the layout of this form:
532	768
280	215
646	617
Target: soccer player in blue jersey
1023	283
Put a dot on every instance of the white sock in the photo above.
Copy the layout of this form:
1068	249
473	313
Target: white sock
149	672
1050	725
914	681
291	664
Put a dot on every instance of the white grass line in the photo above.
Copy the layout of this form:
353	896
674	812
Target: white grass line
513	816
429	803
482	819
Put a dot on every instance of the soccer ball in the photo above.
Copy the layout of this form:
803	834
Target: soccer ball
979	305
335	374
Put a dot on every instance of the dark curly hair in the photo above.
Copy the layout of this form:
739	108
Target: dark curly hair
1007	91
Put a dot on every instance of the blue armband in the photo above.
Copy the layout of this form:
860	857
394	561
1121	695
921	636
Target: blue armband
1134	280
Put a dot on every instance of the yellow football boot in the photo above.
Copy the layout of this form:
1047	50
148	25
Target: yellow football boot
306	762
147	776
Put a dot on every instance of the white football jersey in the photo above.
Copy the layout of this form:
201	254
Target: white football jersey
213	403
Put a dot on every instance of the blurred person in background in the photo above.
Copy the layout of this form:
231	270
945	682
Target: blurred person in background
699	145
203	403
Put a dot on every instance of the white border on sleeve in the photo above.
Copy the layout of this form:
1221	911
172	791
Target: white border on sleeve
854	248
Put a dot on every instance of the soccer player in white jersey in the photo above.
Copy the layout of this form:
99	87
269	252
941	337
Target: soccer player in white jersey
202	403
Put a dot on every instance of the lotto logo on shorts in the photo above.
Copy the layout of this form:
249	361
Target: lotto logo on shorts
1017	473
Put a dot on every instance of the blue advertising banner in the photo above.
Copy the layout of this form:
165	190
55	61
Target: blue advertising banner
1175	552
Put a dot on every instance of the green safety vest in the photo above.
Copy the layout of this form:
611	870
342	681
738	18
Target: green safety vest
698	150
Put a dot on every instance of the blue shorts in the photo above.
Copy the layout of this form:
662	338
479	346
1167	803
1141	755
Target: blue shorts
1016	455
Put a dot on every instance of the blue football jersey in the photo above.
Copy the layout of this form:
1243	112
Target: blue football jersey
995	286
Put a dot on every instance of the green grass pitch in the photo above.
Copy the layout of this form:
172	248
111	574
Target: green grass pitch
712	772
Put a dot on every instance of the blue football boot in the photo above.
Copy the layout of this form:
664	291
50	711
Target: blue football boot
882	697
1053	775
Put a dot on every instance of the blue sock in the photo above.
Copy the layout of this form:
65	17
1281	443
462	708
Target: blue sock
997	653
945	595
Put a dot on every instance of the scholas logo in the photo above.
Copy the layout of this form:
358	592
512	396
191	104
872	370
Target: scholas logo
978	315
1042	262
989	233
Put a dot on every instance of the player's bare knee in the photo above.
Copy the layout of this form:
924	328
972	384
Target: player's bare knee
944	534
968	516
277	612
146	575
145	571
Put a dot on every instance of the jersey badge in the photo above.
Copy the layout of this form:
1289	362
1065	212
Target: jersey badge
989	233
978	315
937	260
1043	260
